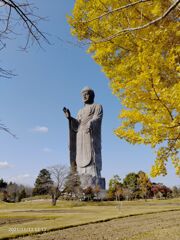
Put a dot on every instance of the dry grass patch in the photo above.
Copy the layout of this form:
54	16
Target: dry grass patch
27	218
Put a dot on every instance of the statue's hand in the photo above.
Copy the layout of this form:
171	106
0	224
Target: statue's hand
67	113
89	127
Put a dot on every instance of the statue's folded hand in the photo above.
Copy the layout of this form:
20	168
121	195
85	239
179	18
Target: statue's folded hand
89	127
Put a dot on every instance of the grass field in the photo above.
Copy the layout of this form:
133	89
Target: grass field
29	218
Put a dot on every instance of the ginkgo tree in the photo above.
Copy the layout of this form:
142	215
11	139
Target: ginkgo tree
136	42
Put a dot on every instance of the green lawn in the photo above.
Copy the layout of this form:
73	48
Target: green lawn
36	216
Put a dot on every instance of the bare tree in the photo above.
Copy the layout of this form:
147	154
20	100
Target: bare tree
16	13
73	187
58	175
18	17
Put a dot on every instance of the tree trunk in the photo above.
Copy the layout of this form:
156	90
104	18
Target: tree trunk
54	200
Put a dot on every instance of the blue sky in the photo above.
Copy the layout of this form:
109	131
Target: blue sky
31	105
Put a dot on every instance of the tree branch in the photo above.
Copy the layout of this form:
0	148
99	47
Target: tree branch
158	98
104	5
173	6
29	23
116	10
175	126
4	128
5	73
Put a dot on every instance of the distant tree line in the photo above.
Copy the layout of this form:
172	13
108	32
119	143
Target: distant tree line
139	186
13	192
60	182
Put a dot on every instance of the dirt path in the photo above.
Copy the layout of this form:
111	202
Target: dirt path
157	226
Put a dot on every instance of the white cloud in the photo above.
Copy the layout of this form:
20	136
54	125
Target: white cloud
20	178
40	129
47	150
4	165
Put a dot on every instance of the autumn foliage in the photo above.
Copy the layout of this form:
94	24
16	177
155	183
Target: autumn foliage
137	45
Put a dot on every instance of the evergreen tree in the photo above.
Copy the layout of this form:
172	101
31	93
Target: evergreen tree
22	195
43	183
73	184
3	184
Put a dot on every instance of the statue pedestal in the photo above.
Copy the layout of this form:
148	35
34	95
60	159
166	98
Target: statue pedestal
102	183
90	181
